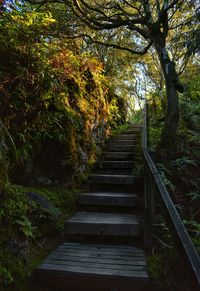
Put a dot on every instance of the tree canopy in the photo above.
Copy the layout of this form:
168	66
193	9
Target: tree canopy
136	26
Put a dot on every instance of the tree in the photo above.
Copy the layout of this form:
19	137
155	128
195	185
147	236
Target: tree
147	23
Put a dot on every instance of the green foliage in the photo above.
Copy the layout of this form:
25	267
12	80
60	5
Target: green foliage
25	220
137	117
194	196
6	277
194	229
58	98
120	128
155	267
183	163
56	111
25	226
192	85
180	173
189	101
155	135
164	172
190	114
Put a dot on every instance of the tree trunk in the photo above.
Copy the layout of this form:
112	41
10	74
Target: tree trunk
169	131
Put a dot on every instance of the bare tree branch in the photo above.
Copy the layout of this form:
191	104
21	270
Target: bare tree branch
113	45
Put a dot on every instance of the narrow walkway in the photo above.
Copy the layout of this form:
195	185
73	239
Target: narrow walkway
103	247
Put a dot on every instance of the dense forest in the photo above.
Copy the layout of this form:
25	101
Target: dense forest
72	73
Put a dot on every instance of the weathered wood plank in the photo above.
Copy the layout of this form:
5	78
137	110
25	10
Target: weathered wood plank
112	179
115	164
79	257
120	148
122	142
131	131
102	249
105	252
96	264
124	137
108	199
118	155
127	256
102	246
92	223
103	259
99	217
68	270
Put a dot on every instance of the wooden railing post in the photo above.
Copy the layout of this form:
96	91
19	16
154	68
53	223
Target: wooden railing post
149	210
149	189
148	238
147	124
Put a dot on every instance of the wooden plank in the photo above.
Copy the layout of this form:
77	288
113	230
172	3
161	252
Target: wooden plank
116	171
102	258
120	148
131	131
124	137
112	179
104	252
97	264
108	199
109	252
98	217
62	269
115	164
109	194
115	255
123	230
102	247
106	220
86	258
104	224
123	250
118	155
122	142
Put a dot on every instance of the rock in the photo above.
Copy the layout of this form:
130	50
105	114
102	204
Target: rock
19	249
44	202
43	181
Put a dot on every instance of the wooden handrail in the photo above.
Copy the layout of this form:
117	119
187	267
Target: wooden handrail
155	188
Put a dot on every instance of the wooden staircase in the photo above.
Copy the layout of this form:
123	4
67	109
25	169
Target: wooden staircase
103	248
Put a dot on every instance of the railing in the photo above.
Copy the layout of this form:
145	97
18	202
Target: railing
155	189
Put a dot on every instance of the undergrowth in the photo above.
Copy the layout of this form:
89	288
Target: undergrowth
180	174
32	223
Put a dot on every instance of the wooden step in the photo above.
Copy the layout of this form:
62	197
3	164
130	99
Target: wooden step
123	137
120	148
112	179
122	142
115	165
118	156
74	266
103	224
108	199
115	171
131	131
